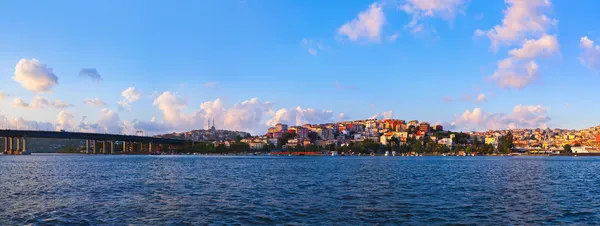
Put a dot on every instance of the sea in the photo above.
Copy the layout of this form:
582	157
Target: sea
55	189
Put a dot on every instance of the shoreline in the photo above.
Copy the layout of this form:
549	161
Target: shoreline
323	155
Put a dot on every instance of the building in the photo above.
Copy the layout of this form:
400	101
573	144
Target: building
414	123
301	132
280	127
439	128
256	145
424	127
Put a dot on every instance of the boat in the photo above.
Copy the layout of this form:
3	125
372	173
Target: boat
387	153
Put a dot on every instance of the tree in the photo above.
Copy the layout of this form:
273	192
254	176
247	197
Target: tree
567	148
505	143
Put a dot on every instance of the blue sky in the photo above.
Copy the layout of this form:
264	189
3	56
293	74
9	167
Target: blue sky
415	59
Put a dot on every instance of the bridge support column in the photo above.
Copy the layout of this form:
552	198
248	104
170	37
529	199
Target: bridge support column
18	149
141	144
87	146
124	146
5	145
10	145
103	147
112	146
150	147
24	144
95	146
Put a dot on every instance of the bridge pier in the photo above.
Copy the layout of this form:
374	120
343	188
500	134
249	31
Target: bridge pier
10	145
124	147
18	149
95	147
141	146
24	144
103	147
150	147
6	145
112	146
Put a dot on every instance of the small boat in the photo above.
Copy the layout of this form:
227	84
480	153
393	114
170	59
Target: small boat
387	153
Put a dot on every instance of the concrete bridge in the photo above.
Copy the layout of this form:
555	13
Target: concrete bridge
15	141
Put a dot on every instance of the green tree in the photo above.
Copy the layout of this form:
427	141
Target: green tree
505	144
567	148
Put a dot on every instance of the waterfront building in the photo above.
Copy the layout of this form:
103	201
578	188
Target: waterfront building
280	127
424	127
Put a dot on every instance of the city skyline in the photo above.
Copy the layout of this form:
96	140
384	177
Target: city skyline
249	65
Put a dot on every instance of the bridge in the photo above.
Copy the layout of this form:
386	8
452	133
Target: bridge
15	141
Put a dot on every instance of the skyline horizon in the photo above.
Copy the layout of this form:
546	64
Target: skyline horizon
466	65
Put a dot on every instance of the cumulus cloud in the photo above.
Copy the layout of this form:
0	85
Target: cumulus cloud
546	45
422	9
342	117
590	56
521	117
94	102
524	24
522	18
64	121
481	97
108	122
90	73
520	68
40	103
367	25
35	76
23	124
384	115
300	116
247	115
130	95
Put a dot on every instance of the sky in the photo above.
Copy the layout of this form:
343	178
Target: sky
162	66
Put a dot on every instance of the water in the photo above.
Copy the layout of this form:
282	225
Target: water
174	190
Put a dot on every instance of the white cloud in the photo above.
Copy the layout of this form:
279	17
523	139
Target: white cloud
312	51
35	76
547	45
300	116
64	121
590	55
422	9
90	73
95	102
19	103
108	122
481	97
247	116
520	68
40	103
342	117
130	95
171	107
384	115
367	24
22	124
521	117
522	18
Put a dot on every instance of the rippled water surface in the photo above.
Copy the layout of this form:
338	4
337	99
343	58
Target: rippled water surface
158	190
